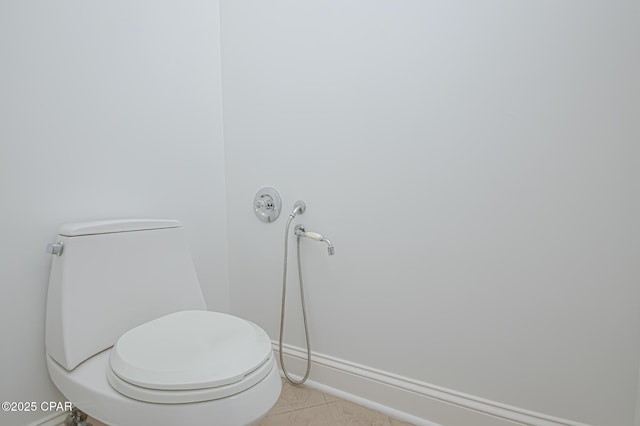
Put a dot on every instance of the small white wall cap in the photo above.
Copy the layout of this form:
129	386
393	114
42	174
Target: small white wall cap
115	225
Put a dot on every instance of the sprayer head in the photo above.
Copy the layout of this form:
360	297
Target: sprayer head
300	231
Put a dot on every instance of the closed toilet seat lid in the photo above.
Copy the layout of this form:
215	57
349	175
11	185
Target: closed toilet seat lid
190	350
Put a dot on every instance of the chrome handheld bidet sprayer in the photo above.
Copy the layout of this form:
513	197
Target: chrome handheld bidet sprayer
298	208
301	232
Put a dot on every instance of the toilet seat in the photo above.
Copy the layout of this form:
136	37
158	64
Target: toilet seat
189	356
190	395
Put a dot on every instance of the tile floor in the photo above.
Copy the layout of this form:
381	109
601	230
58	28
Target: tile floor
301	405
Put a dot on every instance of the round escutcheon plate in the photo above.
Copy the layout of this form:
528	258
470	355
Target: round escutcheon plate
267	204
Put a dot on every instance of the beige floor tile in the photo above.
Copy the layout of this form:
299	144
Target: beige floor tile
319	415
348	413
95	422
295	397
330	398
395	422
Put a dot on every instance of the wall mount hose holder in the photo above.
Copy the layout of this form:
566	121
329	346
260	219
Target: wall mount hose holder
267	204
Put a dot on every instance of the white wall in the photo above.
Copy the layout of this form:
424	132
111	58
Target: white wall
107	109
475	164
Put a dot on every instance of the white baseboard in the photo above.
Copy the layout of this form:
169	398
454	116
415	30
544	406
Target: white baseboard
53	419
407	399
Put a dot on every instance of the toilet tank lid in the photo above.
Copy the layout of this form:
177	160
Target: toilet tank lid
115	225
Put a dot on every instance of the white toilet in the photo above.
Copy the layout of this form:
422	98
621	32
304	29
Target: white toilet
129	340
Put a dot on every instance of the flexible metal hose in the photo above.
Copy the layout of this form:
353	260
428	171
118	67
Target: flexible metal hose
304	309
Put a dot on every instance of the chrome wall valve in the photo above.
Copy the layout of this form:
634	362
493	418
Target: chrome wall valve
267	204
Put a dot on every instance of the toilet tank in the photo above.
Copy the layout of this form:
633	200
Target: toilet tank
112	276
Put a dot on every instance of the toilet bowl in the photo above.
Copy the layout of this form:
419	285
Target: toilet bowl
87	388
139	347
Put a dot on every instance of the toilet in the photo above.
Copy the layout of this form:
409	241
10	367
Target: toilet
129	339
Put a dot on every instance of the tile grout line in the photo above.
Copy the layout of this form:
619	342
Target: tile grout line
300	409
